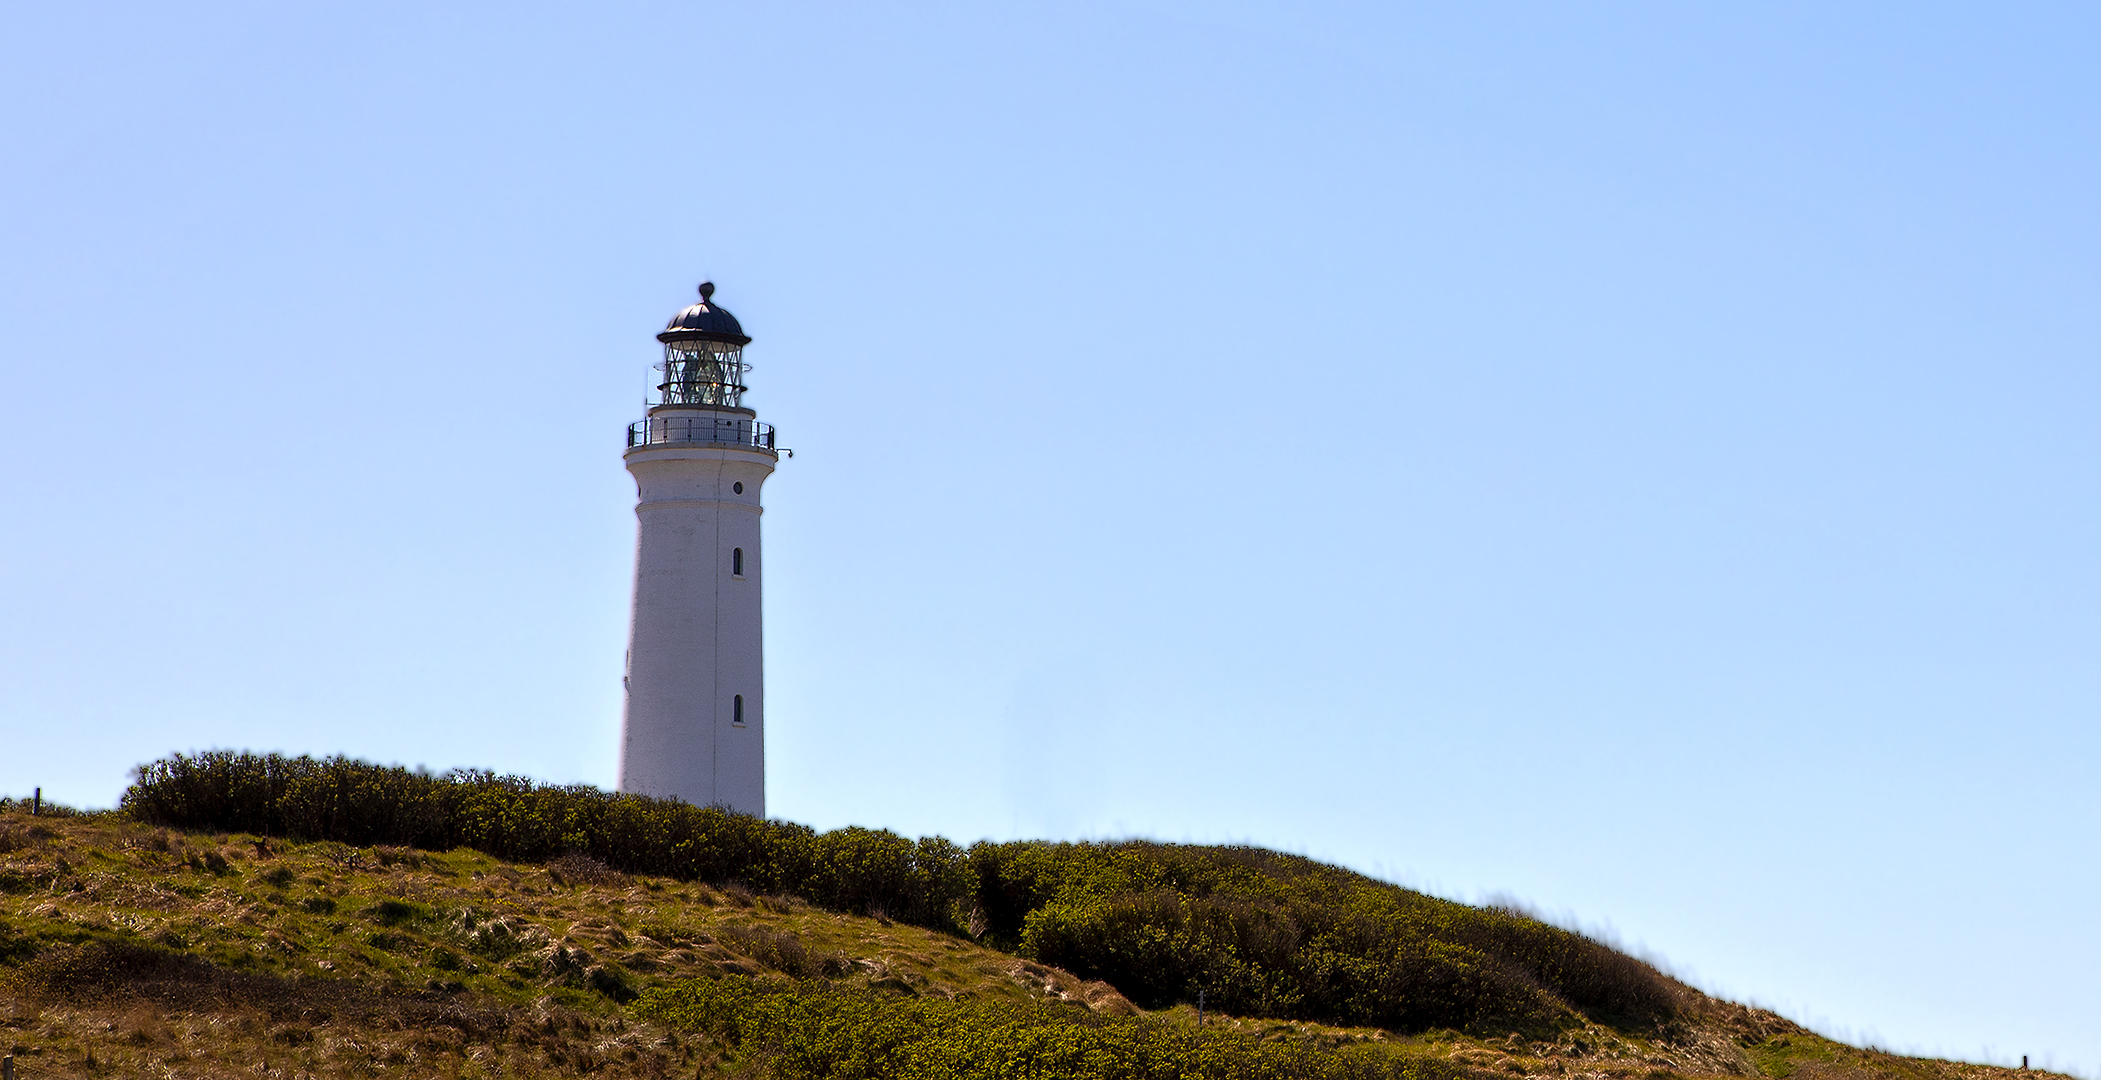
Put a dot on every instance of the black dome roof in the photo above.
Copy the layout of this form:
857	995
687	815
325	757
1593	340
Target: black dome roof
704	322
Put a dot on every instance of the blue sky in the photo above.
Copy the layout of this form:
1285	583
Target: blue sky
1635	459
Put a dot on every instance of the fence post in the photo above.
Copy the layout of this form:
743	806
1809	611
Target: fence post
7	1067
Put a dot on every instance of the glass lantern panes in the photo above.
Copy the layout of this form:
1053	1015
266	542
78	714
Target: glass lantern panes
702	373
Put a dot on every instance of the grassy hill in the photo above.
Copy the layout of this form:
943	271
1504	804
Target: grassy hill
197	931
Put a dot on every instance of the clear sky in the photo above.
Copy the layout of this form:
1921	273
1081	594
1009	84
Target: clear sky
1639	459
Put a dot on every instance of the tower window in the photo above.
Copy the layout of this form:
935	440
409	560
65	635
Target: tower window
737	561
738	487
737	709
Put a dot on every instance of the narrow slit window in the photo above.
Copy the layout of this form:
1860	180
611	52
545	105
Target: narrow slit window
737	709
737	561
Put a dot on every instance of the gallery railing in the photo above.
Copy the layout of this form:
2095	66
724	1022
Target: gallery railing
679	430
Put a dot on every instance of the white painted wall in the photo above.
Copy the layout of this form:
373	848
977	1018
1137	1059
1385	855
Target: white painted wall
696	641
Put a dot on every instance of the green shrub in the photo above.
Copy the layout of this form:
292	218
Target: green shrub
365	805
397	912
1266	934
1255	932
807	1032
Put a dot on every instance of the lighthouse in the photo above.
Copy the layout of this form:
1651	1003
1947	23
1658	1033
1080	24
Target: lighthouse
694	725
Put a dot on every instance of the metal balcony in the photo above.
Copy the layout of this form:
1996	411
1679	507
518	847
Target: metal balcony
702	431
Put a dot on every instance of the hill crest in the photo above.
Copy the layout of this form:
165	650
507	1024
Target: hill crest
123	940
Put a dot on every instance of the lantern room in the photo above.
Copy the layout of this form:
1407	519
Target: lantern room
703	356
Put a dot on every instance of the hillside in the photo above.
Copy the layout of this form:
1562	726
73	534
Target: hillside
128	946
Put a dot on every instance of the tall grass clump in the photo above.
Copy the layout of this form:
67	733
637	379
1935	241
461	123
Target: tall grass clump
1254	932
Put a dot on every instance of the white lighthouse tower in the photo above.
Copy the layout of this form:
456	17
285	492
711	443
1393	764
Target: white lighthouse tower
695	724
